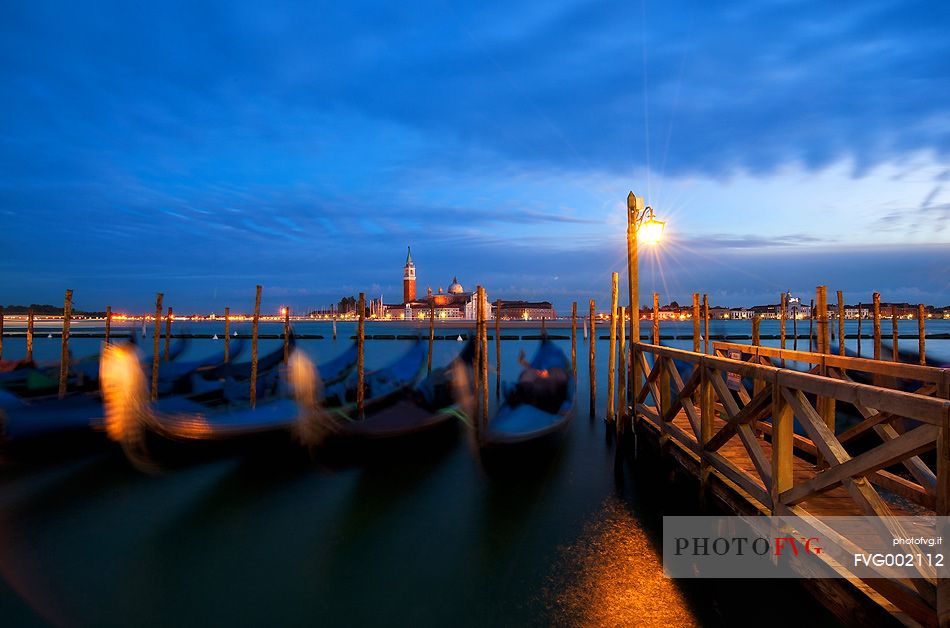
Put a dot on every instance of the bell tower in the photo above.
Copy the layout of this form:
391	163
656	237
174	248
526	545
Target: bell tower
409	279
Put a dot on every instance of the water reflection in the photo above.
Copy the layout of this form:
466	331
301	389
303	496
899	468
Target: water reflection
613	576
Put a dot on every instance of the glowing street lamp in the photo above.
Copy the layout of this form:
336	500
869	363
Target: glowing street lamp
650	230
641	225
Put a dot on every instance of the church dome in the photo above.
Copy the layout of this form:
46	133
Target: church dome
456	287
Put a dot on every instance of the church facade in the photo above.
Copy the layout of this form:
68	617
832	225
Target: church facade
453	302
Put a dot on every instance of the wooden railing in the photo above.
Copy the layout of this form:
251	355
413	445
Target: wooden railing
789	473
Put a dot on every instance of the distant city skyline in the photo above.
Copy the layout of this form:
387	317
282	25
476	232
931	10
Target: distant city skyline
198	149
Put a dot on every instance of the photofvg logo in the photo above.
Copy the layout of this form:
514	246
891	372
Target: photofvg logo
796	547
743	545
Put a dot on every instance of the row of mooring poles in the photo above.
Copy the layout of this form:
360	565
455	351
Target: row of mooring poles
823	344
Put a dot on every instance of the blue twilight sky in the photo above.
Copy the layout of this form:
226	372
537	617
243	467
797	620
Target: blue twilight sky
199	148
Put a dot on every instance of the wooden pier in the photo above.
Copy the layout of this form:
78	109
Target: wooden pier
749	459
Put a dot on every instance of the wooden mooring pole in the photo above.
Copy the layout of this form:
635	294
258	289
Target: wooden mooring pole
612	348
64	353
840	323
876	321
168	333
29	335
1	332
227	334
622	373
483	306
431	335
781	318
921	335
573	339
286	333
477	363
255	322
696	316
360	350
894	356
821	340
156	334
706	324
656	318
108	322
592	362
756	324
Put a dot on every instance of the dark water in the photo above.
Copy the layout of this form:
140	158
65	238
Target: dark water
88	541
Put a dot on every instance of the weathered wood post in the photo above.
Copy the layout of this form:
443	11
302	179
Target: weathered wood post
286	333
573	339
706	324
168	333
894	356
108	322
811	326
431	334
921	334
840	323
334	327
64	353
1	332
696	316
29	335
821	339
756	324
612	355
477	364
592	362
634	208
783	420
656	319
227	334
255	322
360	350
622	373
783	305
483	306
156	334
498	348
757	384
876	314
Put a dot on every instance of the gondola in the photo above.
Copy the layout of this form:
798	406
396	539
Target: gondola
428	412
23	420
27	378
537	411
149	432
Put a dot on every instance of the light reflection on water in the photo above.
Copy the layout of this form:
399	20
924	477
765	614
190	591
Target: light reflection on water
614	577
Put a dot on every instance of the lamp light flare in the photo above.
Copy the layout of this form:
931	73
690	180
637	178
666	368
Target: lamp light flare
650	231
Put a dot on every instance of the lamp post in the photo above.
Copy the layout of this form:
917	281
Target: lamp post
641	223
